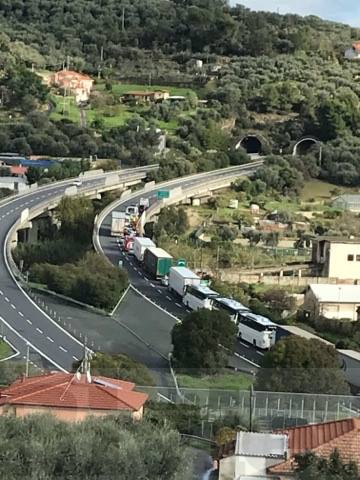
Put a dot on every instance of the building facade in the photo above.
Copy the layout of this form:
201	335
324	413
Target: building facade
333	301
337	257
73	83
353	53
72	397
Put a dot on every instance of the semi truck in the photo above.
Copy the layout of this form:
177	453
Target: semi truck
157	262
118	223
180	278
140	245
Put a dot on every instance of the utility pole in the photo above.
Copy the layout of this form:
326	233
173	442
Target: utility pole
251	409
102	53
217	259
27	360
123	20
67	62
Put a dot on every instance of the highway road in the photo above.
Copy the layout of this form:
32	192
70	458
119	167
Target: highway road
153	290
22	321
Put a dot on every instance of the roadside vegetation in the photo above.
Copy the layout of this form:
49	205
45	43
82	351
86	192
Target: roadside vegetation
119	366
63	261
147	450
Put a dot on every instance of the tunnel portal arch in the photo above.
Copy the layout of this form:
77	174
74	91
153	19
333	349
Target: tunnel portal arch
251	143
303	145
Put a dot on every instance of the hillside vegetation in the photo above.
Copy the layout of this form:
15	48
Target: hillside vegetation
277	77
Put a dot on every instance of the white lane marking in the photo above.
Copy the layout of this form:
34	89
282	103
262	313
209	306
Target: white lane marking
21	314
29	321
75	358
178	305
169	298
158	290
39	330
261	353
244	344
188	310
50	339
6	299
13	306
63	349
1	292
152	285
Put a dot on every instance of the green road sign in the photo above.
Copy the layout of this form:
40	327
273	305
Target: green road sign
181	262
163	194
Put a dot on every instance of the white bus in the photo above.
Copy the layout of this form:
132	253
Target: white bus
257	330
199	296
230	306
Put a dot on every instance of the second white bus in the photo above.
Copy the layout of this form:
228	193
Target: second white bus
199	296
257	330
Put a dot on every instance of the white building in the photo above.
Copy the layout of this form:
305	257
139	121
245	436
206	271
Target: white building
337	257
16	184
254	454
353	53
333	301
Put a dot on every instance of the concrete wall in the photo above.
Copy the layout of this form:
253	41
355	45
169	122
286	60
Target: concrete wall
66	414
233	276
236	466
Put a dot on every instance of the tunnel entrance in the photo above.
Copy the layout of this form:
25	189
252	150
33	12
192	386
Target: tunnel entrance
302	147
251	144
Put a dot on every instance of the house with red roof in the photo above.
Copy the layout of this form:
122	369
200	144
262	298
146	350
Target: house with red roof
73	83
72	397
353	53
272	456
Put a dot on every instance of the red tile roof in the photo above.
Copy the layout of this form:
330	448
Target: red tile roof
72	75
18	170
66	390
322	439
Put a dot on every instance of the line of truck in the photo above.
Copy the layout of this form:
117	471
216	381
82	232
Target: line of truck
194	291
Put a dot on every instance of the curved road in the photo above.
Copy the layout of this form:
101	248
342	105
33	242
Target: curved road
21	320
159	295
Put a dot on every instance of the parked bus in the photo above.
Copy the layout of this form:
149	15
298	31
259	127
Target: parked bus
257	330
230	306
199	296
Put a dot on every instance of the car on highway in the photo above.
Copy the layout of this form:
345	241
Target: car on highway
77	183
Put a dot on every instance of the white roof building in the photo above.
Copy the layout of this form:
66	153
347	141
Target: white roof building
333	301
254	454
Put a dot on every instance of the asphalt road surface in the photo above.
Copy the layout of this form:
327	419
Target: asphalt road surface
22	321
246	357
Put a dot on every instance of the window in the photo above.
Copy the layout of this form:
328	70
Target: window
350	258
358	258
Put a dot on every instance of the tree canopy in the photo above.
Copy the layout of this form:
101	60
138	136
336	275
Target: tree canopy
99	448
298	365
202	340
312	467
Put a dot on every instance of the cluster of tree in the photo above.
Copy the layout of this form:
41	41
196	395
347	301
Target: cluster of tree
59	171
98	448
171	222
202	26
92	280
203	340
119	366
298	365
314	467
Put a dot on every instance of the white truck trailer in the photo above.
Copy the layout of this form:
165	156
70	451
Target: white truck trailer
180	278
140	245
118	223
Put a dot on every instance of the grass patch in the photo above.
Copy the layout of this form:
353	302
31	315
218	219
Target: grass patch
122	88
320	190
5	350
222	381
